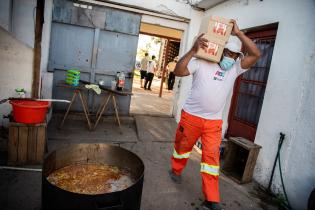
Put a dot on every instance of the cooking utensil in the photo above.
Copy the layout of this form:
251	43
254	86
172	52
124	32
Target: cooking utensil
35	99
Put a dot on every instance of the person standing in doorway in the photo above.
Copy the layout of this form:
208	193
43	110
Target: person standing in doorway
150	74
202	111
171	76
143	68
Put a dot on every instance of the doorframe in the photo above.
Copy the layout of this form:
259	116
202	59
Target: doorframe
263	32
167	51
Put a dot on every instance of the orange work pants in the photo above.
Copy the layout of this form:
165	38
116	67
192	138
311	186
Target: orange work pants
190	128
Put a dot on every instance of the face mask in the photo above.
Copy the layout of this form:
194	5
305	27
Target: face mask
226	63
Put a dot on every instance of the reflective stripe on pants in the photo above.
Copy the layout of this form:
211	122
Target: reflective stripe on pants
189	129
209	169
180	156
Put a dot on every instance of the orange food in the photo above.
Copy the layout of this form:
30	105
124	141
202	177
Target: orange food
90	178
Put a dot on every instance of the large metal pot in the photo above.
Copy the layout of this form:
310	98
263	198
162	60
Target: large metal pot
54	198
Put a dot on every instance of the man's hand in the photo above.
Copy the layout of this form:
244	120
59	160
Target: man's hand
181	69
250	47
200	43
235	31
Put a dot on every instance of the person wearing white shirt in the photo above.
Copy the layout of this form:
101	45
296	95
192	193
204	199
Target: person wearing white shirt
202	112
150	73
144	66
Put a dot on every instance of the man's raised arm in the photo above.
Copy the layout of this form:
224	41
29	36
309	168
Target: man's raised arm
181	69
253	52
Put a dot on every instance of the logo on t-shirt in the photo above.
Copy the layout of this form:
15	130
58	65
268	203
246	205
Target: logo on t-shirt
219	75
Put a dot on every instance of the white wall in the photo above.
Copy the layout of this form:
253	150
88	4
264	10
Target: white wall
289	98
23	20
183	84
16	68
18	18
5	14
16	53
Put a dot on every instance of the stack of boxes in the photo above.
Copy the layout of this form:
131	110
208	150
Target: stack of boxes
73	77
217	31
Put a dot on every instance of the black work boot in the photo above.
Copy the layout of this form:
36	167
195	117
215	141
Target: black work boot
175	178
208	205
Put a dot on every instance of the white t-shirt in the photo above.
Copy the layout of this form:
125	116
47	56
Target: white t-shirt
210	88
151	66
144	63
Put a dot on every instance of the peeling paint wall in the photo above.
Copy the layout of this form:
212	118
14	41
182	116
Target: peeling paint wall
290	97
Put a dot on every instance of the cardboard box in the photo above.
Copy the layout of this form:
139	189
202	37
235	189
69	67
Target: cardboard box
214	51
217	31
217	27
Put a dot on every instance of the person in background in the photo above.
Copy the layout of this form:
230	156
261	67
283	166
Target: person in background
150	73
171	76
202	111
143	68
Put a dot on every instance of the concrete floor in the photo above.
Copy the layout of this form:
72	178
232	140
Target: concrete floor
151	138
147	102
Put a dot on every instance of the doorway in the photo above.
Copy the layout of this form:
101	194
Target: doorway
164	44
249	89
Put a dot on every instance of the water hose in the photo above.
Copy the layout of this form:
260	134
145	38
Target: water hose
287	205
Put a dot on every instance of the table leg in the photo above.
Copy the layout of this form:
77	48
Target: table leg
102	108
86	104
85	111
116	112
68	109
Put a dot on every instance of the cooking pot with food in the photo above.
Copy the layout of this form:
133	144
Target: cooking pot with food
92	176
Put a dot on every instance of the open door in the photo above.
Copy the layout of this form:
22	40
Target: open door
249	89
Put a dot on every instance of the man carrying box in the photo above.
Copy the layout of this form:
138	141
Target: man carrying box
202	112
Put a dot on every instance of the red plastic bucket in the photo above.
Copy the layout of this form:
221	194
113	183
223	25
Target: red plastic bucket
29	112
